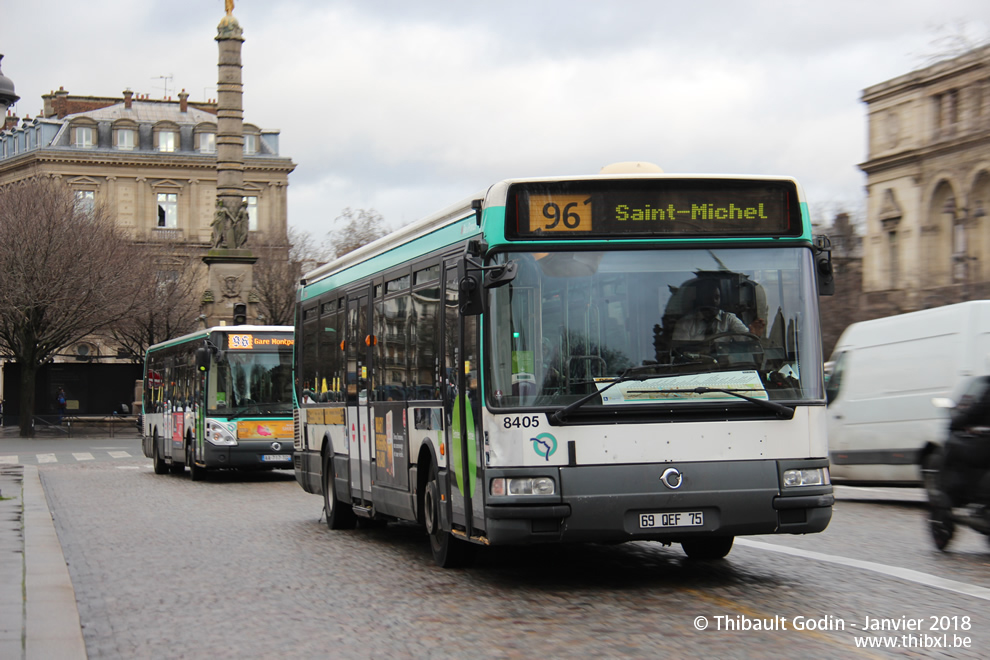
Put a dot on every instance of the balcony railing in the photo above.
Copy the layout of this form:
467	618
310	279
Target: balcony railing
166	235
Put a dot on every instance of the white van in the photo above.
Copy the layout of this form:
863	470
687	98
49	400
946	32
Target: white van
882	426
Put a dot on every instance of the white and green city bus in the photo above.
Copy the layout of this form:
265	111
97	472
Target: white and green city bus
520	368
219	398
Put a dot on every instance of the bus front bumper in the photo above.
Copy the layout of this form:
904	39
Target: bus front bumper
251	454
630	502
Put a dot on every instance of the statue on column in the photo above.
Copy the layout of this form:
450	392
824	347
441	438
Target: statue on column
221	225
240	226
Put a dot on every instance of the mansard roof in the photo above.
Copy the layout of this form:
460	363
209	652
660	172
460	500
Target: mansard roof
147	112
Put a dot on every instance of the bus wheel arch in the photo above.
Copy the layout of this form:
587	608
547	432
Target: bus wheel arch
425	459
196	473
707	548
339	514
159	463
448	551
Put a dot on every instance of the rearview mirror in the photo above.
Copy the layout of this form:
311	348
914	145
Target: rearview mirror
203	359
823	266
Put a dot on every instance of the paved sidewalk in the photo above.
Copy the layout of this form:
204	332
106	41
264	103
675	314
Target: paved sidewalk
38	614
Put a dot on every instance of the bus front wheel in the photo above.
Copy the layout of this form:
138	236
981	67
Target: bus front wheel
339	515
448	552
710	548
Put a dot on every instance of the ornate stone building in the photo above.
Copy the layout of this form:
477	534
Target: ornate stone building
154	162
927	237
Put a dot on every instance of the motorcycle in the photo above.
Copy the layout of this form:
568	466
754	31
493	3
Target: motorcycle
961	473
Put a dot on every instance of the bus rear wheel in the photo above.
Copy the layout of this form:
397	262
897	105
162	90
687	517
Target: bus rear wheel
448	551
339	515
710	548
159	462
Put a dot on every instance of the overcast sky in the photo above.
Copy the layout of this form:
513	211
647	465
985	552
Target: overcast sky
407	106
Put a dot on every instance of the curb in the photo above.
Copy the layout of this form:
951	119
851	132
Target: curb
51	627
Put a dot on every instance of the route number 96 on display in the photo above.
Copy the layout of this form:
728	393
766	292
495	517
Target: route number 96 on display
674	519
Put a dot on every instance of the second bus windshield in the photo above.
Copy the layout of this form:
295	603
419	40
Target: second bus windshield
252	383
571	322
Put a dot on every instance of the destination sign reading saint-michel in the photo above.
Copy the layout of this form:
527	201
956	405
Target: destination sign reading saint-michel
685	207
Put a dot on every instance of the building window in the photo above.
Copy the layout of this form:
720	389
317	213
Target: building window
207	143
126	138
250	144
252	209
168	140
166	280
893	259
85	137
85	200
168	210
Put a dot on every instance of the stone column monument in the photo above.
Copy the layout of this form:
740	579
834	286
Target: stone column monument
229	261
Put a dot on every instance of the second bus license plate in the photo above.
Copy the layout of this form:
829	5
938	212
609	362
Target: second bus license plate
674	519
275	458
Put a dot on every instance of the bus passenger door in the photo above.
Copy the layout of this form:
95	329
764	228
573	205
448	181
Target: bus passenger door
462	405
358	355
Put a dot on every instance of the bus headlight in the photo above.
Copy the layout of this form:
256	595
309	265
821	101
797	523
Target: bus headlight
221	434
523	486
810	477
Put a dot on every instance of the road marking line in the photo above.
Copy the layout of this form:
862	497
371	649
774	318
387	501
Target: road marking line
8	460
46	458
83	456
892	571
119	454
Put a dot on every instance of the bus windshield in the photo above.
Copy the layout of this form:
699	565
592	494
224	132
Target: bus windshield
673	326
252	383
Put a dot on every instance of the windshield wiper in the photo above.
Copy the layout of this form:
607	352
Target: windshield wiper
624	377
780	410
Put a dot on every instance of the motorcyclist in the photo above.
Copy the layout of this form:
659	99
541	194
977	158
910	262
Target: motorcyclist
965	473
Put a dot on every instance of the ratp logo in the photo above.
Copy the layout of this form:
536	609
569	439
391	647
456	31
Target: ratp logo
544	445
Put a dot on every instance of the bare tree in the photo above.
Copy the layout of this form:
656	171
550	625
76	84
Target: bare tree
953	39
279	268
360	227
838	311
168	305
277	273
65	273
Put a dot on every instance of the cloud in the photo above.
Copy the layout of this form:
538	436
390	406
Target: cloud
408	107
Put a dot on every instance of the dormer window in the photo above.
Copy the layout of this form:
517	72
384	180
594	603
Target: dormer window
125	139
207	143
167	140
84	137
250	144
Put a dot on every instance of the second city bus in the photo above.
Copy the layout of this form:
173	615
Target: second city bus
597	358
220	398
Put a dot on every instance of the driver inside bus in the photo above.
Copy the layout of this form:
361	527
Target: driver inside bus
709	319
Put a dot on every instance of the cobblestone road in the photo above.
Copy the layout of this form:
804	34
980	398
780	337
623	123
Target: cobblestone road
239	566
